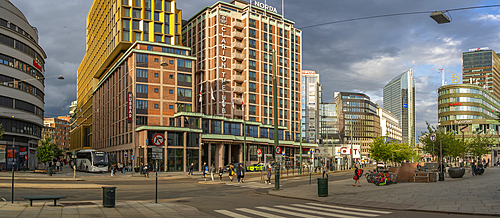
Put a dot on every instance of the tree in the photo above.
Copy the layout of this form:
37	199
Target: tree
478	146
1	130
380	149
402	152
456	150
448	140
48	151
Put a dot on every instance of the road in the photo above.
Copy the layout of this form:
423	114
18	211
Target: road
219	200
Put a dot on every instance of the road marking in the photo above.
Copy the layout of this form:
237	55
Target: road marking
231	214
336	211
258	213
287	212
315	212
355	209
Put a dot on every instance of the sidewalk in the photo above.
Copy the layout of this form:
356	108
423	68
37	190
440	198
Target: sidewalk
94	209
469	195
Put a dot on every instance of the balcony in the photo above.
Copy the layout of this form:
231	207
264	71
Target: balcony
238	67
238	25
238	78
238	45
238	89
238	35
238	101
238	112
238	56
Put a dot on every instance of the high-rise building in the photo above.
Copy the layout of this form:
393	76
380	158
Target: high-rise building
329	128
22	77
389	125
358	122
60	131
481	66
233	44
112	27
399	98
311	92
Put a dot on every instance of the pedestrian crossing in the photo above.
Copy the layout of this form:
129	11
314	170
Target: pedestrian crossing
309	210
252	185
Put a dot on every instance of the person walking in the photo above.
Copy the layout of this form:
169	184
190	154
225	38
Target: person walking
129	167
146	170
268	176
238	173
190	170
231	173
58	165
213	171
473	168
242	173
325	171
357	174
205	171
220	173
112	169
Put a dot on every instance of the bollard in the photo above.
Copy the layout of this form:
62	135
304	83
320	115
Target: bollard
322	187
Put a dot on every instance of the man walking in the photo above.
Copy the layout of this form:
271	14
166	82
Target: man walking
473	168
146	170
190	170
212	171
325	171
238	173
205	171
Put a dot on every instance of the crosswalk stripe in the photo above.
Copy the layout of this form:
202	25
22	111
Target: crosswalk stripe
354	209
231	214
315	212
336	211
259	213
287	212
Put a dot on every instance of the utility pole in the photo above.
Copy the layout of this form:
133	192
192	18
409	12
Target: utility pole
13	165
300	147
352	158
244	142
275	104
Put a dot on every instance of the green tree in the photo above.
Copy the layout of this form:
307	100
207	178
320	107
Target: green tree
380	149
402	152
447	138
478	146
48	151
455	150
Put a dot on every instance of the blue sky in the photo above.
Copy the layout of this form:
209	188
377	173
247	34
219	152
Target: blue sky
357	56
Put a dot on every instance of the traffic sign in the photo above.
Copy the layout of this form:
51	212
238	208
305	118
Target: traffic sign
132	157
259	152
277	150
432	137
158	139
125	154
156	156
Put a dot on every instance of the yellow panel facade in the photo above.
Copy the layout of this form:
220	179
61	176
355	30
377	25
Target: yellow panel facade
112	27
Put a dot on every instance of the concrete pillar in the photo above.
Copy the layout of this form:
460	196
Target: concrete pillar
228	155
185	152
209	161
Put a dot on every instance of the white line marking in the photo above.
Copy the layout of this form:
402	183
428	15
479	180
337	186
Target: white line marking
336	211
258	213
355	209
287	212
231	214
315	212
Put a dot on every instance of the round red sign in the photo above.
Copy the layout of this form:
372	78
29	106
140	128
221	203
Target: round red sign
259	151
277	150
158	139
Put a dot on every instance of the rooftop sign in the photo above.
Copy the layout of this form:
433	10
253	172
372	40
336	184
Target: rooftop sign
479	49
265	6
308	72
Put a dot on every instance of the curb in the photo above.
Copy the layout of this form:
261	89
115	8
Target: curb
42	178
382	207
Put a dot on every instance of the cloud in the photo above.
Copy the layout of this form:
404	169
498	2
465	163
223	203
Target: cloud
487	17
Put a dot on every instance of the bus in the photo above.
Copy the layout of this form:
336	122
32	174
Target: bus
90	160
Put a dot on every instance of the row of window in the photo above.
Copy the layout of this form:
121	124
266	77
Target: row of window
21	105
10	82
20	65
460	117
11	42
467	99
18	126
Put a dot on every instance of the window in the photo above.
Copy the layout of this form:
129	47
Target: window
142	58
142	73
251	22
145	31
251	32
141	120
252	64
216	127
156	90
251	98
183	77
141	104
184	92
171	91
156	106
252	86
170	106
184	63
193	139
251	42
156	74
150	48
251	109
171	76
141	88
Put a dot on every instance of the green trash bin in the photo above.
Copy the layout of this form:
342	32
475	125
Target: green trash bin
49	171
108	196
323	187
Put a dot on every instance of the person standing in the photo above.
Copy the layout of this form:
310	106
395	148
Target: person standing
325	171
242	173
146	170
213	171
268	175
58	165
473	168
129	167
205	171
238	173
356	176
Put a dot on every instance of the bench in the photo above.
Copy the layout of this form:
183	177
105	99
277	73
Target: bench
47	197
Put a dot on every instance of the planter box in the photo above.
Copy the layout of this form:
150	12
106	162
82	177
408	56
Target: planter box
456	172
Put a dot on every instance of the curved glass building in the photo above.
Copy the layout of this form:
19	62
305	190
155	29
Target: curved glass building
22	89
466	104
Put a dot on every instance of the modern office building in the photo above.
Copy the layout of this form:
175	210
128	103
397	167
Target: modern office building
465	104
22	70
399	98
60	132
481	66
329	128
112	27
358	121
311	109
389	125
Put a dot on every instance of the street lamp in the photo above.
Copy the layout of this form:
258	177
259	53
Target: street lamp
440	17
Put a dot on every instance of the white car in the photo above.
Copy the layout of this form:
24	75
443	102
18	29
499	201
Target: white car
381	165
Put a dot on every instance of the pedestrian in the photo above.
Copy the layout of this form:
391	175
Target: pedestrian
205	172
231	173
220	173
190	170
112	169
238	173
129	167
58	165
473	168
123	168
146	170
242	173
213	171
357	174
268	176
325	171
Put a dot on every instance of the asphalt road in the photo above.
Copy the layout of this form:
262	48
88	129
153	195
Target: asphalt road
215	200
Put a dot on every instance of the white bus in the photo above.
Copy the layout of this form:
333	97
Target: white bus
90	160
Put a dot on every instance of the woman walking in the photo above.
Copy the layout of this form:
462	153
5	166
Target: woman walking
220	173
231	173
356	176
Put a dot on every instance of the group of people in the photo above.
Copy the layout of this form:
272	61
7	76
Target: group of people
120	167
212	171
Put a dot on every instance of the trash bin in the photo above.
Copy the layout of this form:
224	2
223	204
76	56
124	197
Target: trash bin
49	171
323	187
108	196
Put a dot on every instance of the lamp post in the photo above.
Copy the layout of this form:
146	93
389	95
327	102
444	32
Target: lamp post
13	165
275	104
441	165
300	148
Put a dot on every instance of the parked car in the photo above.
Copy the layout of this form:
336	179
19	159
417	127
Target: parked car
381	165
255	167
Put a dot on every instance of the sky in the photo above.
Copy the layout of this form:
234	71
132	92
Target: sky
356	56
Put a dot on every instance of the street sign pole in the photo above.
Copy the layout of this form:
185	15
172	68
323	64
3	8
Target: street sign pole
275	104
156	191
